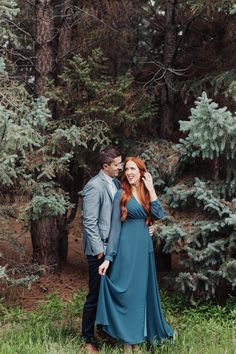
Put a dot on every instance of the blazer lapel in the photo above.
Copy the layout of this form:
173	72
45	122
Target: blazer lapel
105	183
117	183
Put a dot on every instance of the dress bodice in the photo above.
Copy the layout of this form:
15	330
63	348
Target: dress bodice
135	212
135	209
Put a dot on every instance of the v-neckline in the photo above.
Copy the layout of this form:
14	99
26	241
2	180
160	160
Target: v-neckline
137	200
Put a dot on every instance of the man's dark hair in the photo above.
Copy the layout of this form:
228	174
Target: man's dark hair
107	155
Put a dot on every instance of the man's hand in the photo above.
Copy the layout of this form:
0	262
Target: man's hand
151	230
100	255
103	267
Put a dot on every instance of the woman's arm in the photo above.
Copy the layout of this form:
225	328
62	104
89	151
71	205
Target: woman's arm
147	179
157	209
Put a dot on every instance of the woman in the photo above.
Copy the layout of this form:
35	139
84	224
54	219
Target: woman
129	305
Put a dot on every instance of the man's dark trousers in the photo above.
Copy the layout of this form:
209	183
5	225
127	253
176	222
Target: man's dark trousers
90	306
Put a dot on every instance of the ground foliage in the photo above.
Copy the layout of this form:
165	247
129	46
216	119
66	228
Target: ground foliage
54	328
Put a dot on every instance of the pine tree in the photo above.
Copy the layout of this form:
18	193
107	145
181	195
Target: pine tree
200	224
211	130
33	154
208	244
213	5
8	11
211	135
87	93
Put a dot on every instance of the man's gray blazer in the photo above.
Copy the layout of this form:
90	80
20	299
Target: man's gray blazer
97	209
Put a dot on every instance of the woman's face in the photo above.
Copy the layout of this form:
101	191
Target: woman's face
132	173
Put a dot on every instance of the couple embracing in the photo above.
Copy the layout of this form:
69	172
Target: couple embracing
123	297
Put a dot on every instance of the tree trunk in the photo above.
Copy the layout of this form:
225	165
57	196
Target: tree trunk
167	93
216	168
64	49
72	187
62	238
45	236
46	232
45	34
63	53
163	259
65	34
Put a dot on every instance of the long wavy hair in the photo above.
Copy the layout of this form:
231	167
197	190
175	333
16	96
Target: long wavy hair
143	194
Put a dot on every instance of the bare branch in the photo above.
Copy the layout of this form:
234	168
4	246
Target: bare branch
14	24
96	18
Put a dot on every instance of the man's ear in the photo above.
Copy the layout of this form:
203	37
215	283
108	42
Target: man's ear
104	166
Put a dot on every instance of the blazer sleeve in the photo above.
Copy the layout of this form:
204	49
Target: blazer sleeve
157	210
114	235
91	207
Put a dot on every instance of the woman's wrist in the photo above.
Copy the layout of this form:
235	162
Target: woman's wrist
151	190
153	195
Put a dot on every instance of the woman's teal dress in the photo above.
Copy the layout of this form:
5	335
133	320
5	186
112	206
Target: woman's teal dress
129	306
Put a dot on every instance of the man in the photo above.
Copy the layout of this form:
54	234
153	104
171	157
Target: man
98	195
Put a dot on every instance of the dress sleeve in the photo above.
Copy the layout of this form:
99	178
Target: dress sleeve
114	235
157	210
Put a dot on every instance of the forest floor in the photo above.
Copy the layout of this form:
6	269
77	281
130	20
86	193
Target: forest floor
70	280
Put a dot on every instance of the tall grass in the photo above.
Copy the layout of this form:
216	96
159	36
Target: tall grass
200	328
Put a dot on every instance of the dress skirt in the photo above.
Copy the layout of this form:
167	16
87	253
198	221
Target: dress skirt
129	307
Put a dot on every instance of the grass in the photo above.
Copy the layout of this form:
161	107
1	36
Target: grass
200	328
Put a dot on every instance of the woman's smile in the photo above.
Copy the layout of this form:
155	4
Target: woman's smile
132	173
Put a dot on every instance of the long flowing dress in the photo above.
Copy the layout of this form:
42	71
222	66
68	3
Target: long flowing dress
129	306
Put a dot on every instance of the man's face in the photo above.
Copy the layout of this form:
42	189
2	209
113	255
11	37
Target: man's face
114	167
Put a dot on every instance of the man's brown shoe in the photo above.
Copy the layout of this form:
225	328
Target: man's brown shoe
90	348
104	336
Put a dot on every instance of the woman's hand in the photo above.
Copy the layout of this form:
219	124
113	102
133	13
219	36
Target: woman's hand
151	230
103	267
147	179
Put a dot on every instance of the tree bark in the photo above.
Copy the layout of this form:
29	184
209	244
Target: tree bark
216	168
163	259
45	34
65	34
167	93
45	236
46	232
63	53
63	50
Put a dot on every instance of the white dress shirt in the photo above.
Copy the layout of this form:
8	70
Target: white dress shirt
111	184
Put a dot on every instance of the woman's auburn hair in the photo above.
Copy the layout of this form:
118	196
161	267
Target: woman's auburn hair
143	194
